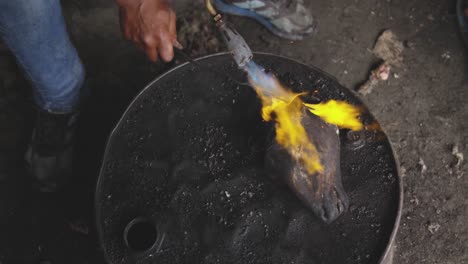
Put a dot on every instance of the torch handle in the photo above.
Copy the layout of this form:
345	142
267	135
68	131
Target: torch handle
235	43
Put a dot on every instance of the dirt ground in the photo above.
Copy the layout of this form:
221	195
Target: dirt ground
422	107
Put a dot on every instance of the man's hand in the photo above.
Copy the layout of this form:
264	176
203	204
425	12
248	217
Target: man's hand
151	25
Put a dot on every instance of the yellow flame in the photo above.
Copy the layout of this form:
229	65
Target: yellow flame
287	112
286	109
339	113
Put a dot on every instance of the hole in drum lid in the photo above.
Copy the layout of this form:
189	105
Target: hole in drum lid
140	234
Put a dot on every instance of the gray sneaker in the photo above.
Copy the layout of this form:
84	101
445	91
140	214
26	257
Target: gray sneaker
49	154
288	19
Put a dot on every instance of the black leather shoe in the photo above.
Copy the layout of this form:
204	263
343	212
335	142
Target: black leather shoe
49	154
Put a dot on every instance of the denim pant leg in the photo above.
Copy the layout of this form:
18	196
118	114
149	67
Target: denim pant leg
34	30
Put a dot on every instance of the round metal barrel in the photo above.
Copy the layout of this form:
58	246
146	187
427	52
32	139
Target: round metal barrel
183	179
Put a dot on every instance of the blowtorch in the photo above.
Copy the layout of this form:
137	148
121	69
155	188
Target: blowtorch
235	43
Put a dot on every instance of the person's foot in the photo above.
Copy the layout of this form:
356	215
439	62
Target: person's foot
285	18
49	155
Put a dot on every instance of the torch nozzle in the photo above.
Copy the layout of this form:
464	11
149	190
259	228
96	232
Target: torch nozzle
235	43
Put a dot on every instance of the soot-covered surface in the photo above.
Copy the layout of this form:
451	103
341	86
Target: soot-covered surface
188	154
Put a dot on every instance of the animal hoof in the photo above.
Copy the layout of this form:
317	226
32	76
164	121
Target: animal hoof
333	204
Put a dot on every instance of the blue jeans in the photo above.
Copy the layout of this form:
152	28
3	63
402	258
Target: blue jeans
34	30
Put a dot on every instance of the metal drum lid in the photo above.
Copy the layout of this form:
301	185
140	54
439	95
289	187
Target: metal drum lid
182	180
